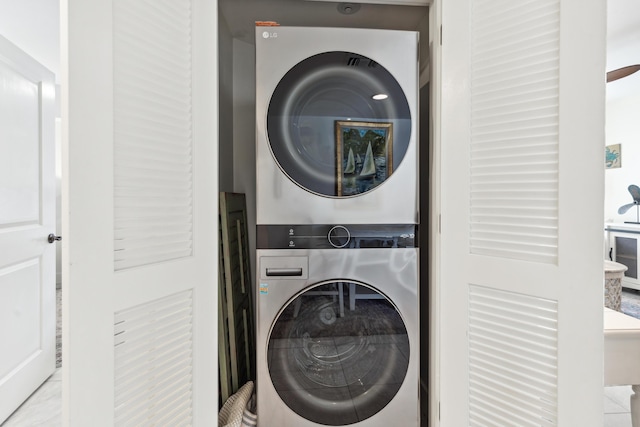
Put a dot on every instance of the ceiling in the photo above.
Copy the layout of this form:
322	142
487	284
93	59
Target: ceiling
241	15
623	45
34	26
31	24
623	23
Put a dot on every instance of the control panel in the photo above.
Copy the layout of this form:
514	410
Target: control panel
332	236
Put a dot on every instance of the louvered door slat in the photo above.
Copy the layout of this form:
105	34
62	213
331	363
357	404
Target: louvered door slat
153	359
518	404
512	358
163	331
138	123
153	310
486	373
514	130
152	132
136	386
153	139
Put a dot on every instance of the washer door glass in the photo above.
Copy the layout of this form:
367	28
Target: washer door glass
338	124
338	353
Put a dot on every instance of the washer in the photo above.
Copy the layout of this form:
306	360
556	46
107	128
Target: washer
336	112
337	325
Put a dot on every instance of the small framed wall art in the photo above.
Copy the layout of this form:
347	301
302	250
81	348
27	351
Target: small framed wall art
612	156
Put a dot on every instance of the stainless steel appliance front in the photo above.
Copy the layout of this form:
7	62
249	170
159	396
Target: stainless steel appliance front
337	337
336	125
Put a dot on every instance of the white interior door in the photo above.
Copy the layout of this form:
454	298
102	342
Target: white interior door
140	212
27	216
521	89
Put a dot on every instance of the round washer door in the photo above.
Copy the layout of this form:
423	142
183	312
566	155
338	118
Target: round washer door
336	362
338	124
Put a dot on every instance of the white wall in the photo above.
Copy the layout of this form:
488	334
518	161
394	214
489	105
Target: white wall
622	127
34	26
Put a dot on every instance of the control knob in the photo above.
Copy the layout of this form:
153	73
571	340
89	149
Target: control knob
339	236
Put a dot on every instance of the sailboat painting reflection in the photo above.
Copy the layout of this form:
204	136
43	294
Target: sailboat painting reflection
364	153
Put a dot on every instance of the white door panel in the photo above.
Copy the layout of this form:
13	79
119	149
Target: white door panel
520	262
19	173
27	216
139	319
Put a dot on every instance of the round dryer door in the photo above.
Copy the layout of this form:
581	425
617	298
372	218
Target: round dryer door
338	124
338	353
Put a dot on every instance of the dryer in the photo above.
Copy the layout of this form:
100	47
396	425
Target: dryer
337	325
336	112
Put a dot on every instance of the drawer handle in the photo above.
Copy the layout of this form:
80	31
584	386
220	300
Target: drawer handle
284	272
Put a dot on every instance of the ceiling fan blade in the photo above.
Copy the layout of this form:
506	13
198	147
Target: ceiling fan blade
625	208
635	193
622	72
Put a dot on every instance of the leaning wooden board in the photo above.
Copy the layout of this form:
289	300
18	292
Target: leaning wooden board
237	341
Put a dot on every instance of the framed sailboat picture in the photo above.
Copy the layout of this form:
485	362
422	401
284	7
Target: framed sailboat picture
364	153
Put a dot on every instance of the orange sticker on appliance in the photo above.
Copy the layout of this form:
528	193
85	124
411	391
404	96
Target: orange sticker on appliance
264	288
267	24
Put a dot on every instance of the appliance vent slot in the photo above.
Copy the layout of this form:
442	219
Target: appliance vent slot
514	130
353	61
372	64
153	217
153	346
513	351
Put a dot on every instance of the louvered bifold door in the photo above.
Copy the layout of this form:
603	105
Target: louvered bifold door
153	206
520	268
143	235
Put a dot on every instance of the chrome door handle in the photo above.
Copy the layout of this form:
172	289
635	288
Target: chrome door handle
52	238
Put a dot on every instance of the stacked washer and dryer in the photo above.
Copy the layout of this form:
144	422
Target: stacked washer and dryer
337	250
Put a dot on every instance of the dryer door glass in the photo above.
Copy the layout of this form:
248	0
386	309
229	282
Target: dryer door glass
338	124
338	353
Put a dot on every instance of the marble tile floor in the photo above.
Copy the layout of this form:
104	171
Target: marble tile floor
43	408
616	406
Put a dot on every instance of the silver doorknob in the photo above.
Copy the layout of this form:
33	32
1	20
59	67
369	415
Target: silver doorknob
52	238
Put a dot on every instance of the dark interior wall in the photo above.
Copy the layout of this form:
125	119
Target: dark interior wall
244	131
424	161
237	111
225	106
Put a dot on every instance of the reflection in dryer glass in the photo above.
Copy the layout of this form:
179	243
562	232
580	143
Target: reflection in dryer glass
335	364
327	131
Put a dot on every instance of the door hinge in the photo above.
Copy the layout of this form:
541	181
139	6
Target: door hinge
440	35
439	224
